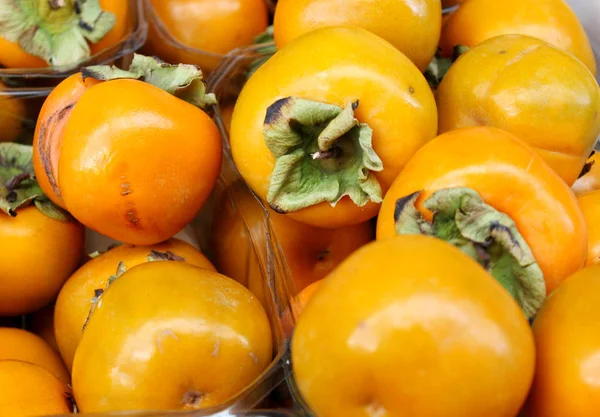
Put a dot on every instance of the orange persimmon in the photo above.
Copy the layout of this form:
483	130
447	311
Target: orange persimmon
522	198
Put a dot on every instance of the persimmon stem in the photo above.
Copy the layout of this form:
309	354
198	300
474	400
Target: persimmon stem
15	181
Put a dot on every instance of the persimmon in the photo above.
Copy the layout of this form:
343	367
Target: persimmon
297	304
590	207
417	37
310	253
74	300
552	21
194	340
567	346
12	114
29	391
417	307
204	31
41	245
540	94
147	158
323	147
488	193
589	179
49	130
67	32
41	323
20	345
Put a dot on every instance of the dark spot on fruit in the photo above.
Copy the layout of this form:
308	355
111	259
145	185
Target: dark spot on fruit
274	110
411	90
193	398
502	51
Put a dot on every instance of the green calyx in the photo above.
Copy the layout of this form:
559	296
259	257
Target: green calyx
462	218
439	66
266	49
57	31
323	153
18	187
184	81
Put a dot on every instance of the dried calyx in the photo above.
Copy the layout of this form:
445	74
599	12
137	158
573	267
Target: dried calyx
439	66
153	256
323	153
183	80
490	237
18	186
58	31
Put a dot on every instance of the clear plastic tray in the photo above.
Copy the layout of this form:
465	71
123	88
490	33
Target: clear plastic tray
230	78
118	54
259	246
172	50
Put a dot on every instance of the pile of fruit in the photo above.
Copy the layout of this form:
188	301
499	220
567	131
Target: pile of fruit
428	176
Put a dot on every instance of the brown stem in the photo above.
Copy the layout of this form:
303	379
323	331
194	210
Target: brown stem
15	181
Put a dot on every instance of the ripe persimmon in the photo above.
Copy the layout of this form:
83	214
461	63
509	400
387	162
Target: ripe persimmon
67	32
540	94
552	21
567	346
194	340
491	195
21	345
310	252
204	30
146	158
412	326
41	245
417	36
325	146
29	390
74	300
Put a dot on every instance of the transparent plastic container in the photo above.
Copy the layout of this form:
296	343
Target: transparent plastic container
19	109
228	81
163	44
23	104
118	54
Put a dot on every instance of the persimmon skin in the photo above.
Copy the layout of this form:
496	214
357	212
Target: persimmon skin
350	64
49	130
149	177
38	255
540	94
510	177
74	300
209	337
567	348
14	57
590	207
211	27
455	333
12	113
552	21
417	36
21	345
29	390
